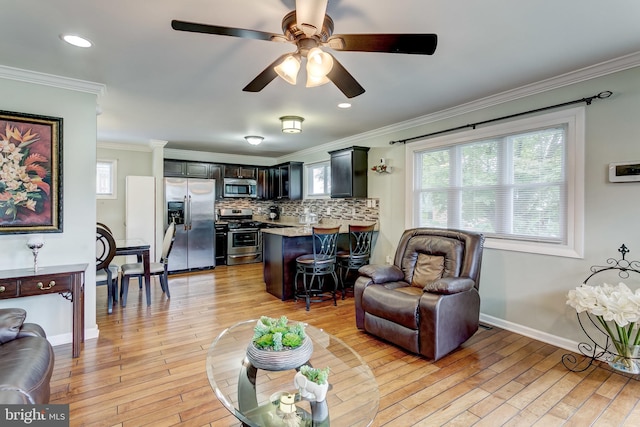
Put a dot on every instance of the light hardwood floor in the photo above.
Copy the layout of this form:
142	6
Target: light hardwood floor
148	366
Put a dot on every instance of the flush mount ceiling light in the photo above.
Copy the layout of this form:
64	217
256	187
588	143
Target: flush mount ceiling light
253	139
76	40
291	124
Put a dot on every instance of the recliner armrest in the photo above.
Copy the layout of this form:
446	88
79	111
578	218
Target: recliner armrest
381	273
11	320
31	330
449	285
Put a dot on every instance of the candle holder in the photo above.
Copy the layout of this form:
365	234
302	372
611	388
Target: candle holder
35	244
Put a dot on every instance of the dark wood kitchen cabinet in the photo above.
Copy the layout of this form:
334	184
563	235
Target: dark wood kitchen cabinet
349	168
285	181
240	171
179	168
264	187
215	172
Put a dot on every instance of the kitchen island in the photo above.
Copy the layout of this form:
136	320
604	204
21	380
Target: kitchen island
281	247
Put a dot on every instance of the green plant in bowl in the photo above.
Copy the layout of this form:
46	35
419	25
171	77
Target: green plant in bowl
277	334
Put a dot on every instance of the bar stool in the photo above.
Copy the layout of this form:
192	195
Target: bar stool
321	263
358	254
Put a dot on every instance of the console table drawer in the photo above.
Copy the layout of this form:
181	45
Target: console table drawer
45	284
8	289
65	280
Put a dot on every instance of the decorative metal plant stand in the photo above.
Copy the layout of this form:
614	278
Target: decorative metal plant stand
601	346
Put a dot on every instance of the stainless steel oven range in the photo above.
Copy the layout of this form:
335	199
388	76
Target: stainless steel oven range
244	239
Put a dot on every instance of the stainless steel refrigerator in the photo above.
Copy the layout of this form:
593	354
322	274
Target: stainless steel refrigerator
190	203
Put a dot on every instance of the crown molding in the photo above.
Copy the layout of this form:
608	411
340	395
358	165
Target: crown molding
598	70
126	146
36	77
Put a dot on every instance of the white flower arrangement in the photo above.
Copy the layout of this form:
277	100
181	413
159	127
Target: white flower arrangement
616	308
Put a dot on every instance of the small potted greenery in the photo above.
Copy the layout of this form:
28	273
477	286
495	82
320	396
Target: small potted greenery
313	383
278	345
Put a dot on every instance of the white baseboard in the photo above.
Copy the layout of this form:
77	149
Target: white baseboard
61	339
531	333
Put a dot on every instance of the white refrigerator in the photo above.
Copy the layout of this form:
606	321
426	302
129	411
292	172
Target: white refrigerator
190	203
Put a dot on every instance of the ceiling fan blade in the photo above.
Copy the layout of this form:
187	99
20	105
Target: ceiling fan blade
310	15
344	80
226	31
418	44
265	77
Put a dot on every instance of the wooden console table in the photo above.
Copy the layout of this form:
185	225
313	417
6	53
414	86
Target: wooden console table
66	280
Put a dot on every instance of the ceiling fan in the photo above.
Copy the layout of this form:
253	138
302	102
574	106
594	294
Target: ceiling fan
310	29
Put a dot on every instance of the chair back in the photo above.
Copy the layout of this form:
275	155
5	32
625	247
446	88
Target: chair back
105	248
167	242
459	252
325	243
360	241
99	224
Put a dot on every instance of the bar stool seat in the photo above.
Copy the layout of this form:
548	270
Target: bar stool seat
319	264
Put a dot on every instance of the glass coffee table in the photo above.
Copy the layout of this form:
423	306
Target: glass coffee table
253	395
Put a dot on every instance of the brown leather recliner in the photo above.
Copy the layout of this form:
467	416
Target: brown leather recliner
427	301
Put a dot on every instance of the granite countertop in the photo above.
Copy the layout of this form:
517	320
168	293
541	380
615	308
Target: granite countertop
291	226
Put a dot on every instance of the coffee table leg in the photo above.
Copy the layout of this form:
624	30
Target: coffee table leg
247	399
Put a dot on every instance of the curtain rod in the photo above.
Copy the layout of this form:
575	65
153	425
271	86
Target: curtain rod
588	101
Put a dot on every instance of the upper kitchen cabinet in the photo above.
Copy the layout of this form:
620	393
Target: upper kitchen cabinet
264	187
349	167
215	172
179	168
240	171
285	181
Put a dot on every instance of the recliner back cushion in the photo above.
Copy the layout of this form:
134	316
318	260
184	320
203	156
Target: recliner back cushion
428	268
451	250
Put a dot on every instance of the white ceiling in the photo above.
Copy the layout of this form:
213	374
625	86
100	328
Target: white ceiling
186	88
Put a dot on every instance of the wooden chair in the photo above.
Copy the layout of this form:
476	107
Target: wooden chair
319	264
358	254
106	273
155	268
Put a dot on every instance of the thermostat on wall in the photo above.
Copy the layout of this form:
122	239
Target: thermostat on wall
624	172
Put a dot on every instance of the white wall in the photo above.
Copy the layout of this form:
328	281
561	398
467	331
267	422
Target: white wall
135	161
76	244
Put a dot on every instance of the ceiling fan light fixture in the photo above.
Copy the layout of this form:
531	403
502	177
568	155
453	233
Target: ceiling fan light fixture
288	69
316	81
291	124
254	139
319	62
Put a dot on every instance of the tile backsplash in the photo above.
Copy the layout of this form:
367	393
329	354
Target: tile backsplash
338	209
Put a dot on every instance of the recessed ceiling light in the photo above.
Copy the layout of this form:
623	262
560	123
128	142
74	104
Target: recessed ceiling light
344	105
76	40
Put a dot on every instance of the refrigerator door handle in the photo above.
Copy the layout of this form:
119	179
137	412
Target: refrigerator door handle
189	212
185	219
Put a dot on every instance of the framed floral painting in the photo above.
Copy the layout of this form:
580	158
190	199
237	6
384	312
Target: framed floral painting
30	173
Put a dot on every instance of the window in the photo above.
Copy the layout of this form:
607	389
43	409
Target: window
520	183
106	173
318	179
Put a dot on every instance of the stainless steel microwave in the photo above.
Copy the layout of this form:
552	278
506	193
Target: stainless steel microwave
237	187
